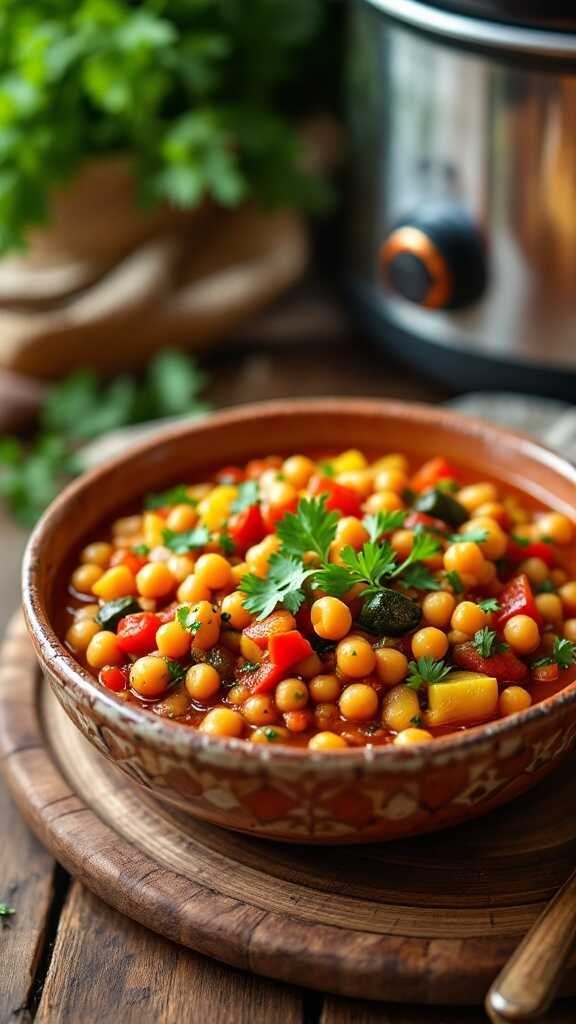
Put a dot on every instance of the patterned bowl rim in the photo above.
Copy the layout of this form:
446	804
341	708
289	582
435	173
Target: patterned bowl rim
171	737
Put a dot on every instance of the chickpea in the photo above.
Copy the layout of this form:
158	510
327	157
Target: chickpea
557	527
326	716
282	494
97	553
569	630
213	571
383	501
494	510
391	665
298	469
535	568
352	459
234	612
239	693
455	636
331	618
437	608
270	734
181	517
86	611
488	574
568	597
550	607
355	657
359	480
514	698
309	667
202	682
80	634
522	633
222	722
155	580
127	527
402	542
209	629
258	556
468	618
298	721
84	577
351	532
496	541
395	460
260	710
327	741
181	566
324	689
391	479
559	577
191	590
358	702
238	571
249	649
429	642
291	695
475	495
464	558
411	737
172	640
103	650
150	676
400	707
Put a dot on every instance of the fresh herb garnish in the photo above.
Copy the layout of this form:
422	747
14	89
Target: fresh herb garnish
312	527
141	549
177	672
112	612
545	587
472	536
455	580
6	913
384	522
489	604
248	494
486	642
419	577
177	495
522	542
373	564
186	618
563	655
226	543
249	666
283	585
326	468
188	540
425	671
270	733
416	721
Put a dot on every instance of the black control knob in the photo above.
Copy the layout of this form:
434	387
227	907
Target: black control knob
435	258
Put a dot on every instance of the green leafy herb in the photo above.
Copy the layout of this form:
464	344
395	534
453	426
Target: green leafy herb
249	666
416	721
6	913
486	642
425	671
283	585
311	528
186	618
177	672
455	580
226	543
474	536
489	604
545	587
563	655
419	577
371	565
187	540
177	495
110	613
141	549
270	733
326	468
384	522
248	494
522	542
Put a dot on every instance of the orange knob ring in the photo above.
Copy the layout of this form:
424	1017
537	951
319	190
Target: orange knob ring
411	240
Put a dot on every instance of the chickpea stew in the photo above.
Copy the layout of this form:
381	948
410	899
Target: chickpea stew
330	604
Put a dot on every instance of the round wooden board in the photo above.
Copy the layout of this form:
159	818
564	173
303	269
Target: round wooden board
429	920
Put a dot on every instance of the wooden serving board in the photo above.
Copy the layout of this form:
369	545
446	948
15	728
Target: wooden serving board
428	920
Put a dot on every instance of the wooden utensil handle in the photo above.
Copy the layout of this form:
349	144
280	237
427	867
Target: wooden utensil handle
527	985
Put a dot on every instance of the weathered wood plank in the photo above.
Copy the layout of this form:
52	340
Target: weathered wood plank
105	967
347	1011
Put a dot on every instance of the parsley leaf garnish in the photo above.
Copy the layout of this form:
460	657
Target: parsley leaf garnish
373	563
226	543
425	671
489	604
419	577
177	495
486	642
249	666
522	542
282	585
177	672
185	617
312	527
545	587
141	549
563	654
248	494
187	540
474	536
416	721
455	580
384	522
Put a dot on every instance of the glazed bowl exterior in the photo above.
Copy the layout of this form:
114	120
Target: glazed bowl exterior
351	796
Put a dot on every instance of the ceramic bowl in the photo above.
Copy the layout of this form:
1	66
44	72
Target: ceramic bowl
357	795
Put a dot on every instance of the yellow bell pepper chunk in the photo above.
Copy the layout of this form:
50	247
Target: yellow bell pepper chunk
348	461
214	509
153	527
461	699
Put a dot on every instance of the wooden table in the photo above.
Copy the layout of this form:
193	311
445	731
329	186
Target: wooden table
66	957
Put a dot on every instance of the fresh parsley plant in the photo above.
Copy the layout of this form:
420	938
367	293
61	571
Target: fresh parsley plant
311	528
283	585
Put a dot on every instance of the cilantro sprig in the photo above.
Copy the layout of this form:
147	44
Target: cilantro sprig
384	522
374	564
425	671
486	642
489	604
186	618
282	585
475	536
187	540
248	494
563	654
312	527
177	495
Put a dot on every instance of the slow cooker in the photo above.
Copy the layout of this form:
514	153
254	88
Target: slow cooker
461	248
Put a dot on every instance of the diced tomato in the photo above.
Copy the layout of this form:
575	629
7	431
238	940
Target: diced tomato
137	633
272	514
432	472
264	678
256	467
286	649
545	673
423	519
114	678
517	599
247	527
167	614
230	475
277	622
338	497
504	665
130	559
537	549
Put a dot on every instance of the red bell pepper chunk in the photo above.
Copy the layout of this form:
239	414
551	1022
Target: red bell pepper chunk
167	614
432	472
338	497
272	514
545	673
414	519
130	559
137	633
114	678
517	599
277	622
264	678
286	649
504	666
537	549
230	475
247	527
